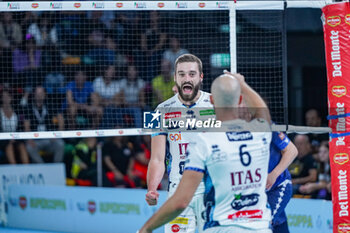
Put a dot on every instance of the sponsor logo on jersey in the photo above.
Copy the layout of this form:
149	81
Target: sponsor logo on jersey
245	179
119	4
35	5
344	228
13	6
175	137
207	112
171	115
77	5
92	207
338	91
242	201
180	220
246	214
23	202
239	136
175	228
341	158
333	21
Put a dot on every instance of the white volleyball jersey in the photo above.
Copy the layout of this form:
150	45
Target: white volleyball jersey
235	167
177	142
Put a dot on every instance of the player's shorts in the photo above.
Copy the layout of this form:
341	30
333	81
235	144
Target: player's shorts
190	219
278	199
233	229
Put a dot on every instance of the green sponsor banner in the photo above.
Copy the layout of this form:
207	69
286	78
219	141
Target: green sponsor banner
206	112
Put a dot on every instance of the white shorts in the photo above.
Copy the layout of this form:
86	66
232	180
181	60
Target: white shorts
234	229
190	219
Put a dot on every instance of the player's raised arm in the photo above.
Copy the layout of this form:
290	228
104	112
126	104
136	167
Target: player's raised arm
156	168
253	100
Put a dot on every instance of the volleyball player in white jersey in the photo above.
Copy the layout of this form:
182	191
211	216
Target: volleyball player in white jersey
233	164
188	78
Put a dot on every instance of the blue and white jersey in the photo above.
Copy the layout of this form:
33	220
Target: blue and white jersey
278	143
177	142
235	167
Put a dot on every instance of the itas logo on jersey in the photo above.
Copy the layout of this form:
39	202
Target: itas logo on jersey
239	136
151	120
241	180
242	201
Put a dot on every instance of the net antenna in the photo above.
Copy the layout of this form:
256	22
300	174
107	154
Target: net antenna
90	45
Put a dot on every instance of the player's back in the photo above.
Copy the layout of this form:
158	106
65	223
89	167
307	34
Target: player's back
236	168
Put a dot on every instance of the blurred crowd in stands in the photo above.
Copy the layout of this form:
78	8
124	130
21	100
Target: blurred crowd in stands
91	70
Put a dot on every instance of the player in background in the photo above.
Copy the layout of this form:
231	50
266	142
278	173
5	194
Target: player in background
233	164
279	184
188	79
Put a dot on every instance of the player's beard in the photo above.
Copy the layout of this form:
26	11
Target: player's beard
194	93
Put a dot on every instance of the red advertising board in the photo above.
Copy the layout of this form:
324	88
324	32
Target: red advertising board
336	26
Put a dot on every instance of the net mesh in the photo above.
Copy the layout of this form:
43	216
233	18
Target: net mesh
260	57
72	70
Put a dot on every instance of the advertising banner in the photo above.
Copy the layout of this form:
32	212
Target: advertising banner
79	209
32	174
309	216
336	26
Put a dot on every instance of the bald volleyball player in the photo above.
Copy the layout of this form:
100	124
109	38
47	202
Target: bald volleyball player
234	165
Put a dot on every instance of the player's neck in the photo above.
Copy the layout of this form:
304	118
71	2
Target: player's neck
226	114
189	103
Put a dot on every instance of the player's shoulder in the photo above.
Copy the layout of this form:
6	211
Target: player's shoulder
205	98
261	124
171	102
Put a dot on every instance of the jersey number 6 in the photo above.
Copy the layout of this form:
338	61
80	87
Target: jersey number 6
244	156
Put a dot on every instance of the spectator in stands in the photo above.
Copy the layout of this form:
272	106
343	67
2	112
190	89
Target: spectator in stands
84	164
174	52
101	48
152	44
133	88
70	33
44	31
303	168
133	95
319	189
82	101
143	154
107	88
162	85
118	157
14	149
10	38
313	119
10	32
26	64
40	117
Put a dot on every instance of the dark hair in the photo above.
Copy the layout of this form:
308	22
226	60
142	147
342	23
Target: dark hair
189	58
